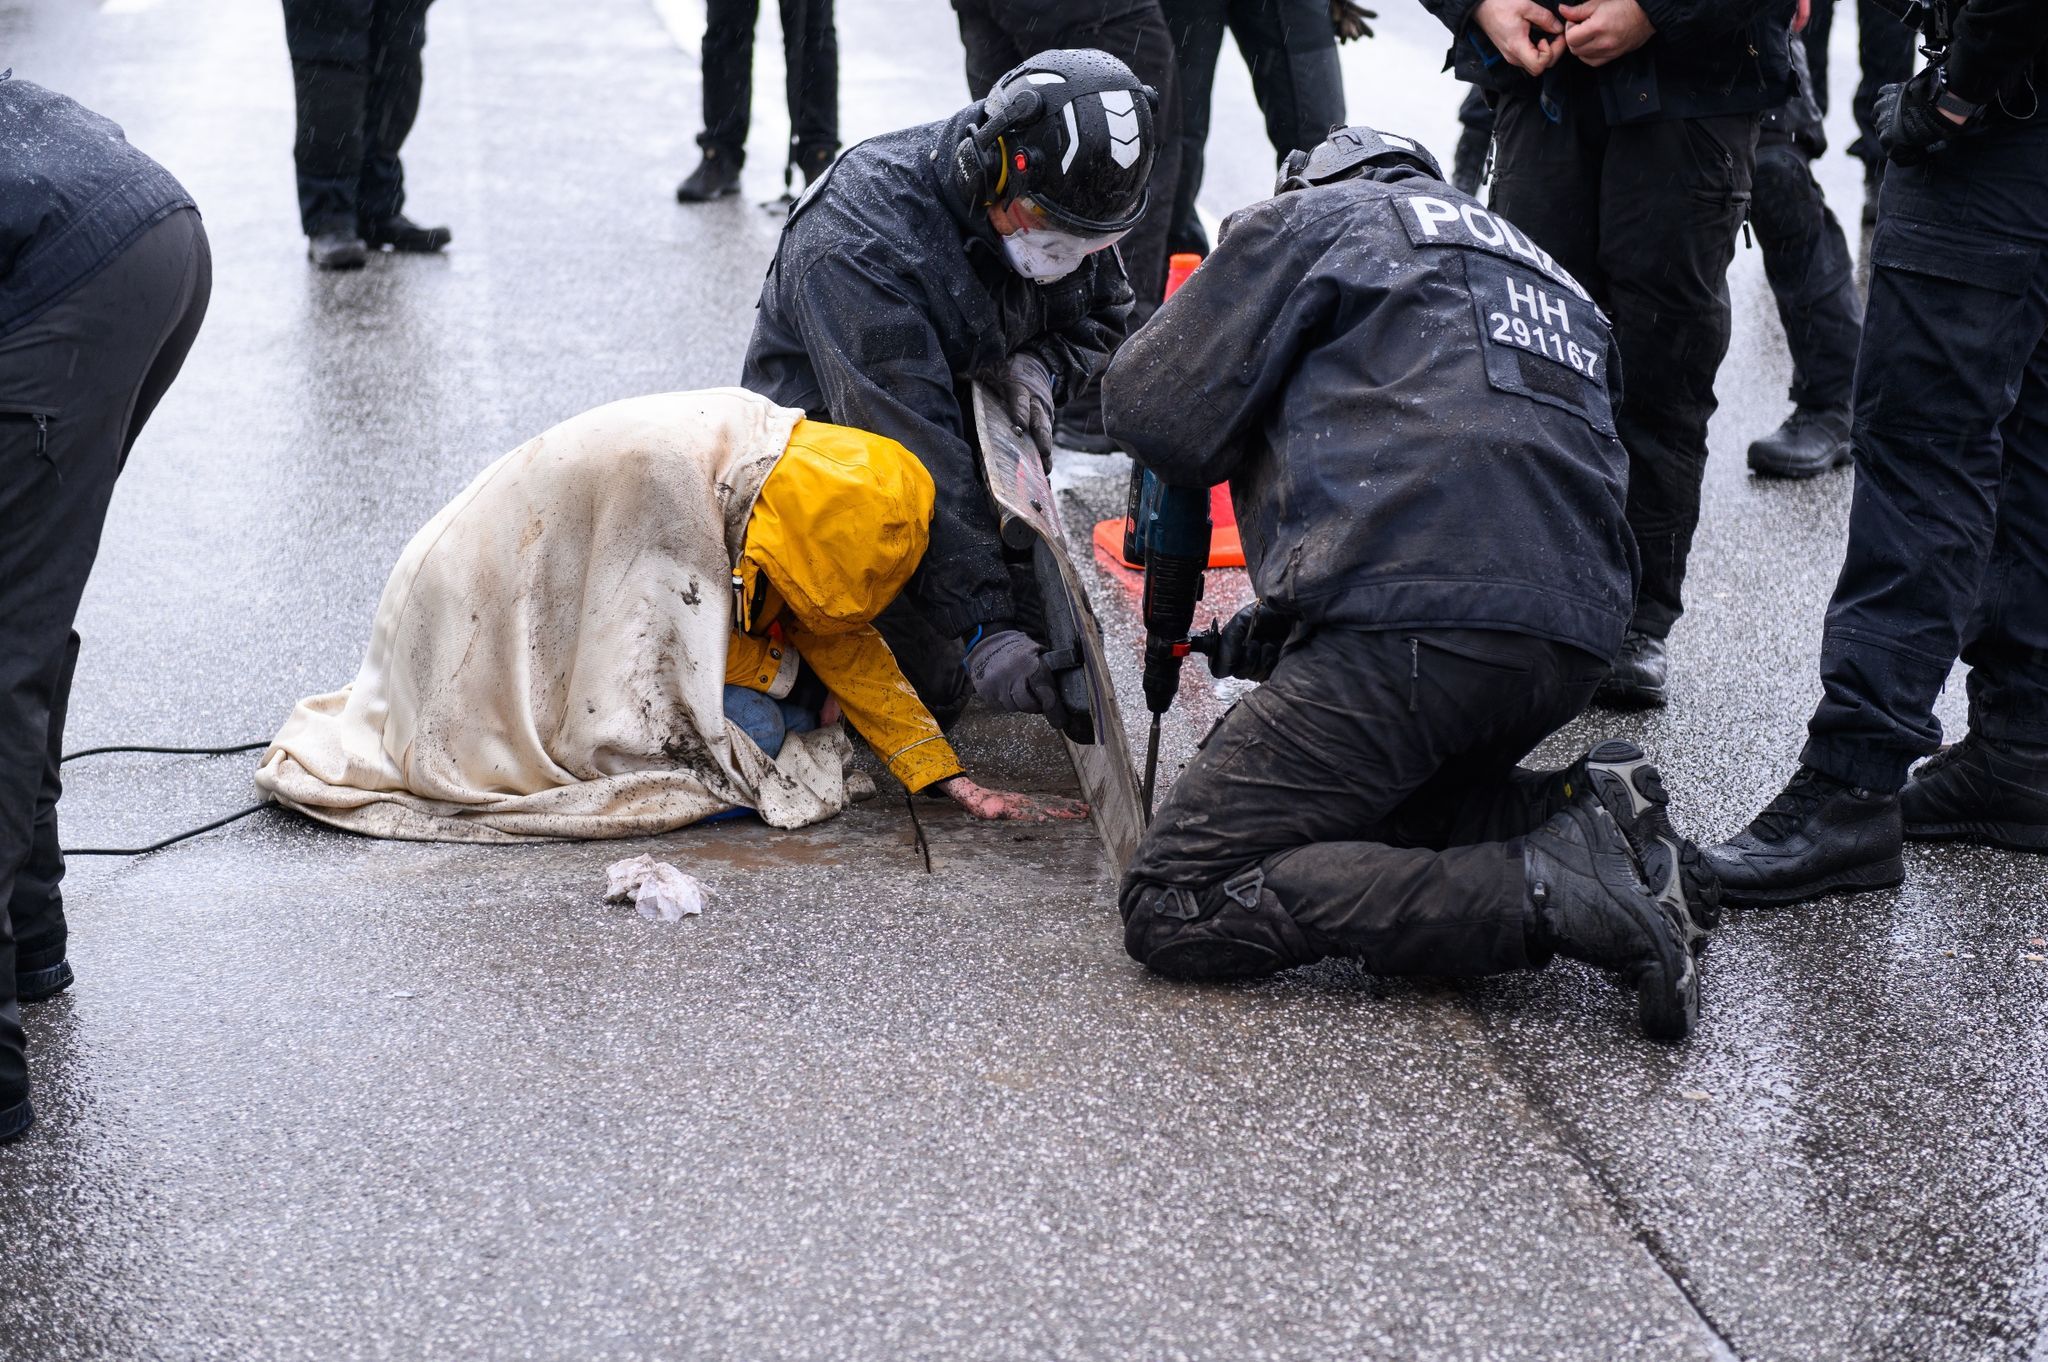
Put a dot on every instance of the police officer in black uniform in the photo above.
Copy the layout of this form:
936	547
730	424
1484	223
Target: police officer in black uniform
104	279
1412	403
1806	260
977	247
1948	529
1624	139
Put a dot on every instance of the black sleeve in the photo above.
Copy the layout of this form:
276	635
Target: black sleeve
1994	41
1186	392
1085	322
881	368
1690	21
1455	14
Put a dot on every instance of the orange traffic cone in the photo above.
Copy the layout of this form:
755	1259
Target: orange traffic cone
1226	549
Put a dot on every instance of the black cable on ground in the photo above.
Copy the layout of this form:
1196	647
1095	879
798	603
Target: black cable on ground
172	751
168	841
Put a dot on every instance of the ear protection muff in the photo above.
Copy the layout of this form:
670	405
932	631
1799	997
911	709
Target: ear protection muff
978	160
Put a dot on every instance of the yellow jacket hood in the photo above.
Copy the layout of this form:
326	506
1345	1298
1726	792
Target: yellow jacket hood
841	523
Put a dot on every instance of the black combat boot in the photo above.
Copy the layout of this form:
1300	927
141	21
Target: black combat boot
1980	791
401	233
1812	441
1637	678
32	986
15	1120
1820	836
1468	162
337	250
1587	903
16	1115
1618	777
716	176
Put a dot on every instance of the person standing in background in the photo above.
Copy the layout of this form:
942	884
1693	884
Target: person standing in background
104	279
1884	52
1290	47
810	54
357	73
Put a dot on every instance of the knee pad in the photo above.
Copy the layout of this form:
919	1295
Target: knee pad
1783	196
1218	931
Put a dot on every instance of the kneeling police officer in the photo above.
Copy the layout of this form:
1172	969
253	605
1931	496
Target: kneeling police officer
1413	405
972	248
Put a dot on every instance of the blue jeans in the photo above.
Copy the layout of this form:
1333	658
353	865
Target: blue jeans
1948	531
766	719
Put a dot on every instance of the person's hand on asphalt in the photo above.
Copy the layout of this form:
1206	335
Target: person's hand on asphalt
1009	673
1349	21
1601	31
1249	646
1027	391
1009	805
1910	128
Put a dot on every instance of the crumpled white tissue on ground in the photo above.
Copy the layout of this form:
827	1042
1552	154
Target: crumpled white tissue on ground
656	888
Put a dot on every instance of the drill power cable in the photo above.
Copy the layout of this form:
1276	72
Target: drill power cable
174	752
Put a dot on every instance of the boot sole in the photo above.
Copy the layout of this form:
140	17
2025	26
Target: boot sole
15	1120
1669	1011
1798	472
1885	874
727	193
1630	768
2005	836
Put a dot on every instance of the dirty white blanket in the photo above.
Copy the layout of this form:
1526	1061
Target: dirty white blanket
548	658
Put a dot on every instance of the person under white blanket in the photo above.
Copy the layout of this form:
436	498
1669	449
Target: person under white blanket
625	625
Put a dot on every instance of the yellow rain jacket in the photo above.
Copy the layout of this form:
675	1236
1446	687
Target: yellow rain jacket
840	524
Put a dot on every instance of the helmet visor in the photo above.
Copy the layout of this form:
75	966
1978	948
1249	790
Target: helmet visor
1040	214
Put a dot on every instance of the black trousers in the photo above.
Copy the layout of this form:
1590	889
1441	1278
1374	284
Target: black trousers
1292	52
1948	529
1884	49
356	70
1645	215
1806	259
1364	802
810	54
76	386
1000	34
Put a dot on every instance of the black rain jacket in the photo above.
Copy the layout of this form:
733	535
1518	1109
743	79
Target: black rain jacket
73	195
1708	57
887	292
1411	403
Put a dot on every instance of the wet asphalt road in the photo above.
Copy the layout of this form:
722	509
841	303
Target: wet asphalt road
316	1096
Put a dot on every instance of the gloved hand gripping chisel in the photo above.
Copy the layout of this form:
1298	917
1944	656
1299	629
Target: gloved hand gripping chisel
1166	529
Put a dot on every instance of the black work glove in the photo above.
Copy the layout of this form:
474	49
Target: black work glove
1348	21
1909	128
1249	646
1009	673
1027	392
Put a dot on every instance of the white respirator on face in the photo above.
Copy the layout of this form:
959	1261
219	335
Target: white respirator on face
1047	256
